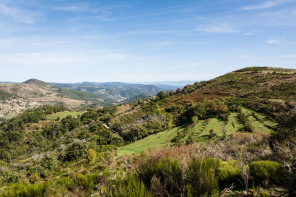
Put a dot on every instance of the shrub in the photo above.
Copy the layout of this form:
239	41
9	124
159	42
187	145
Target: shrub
48	162
130	186
161	95
201	177
85	182
194	119
34	177
91	156
22	190
168	171
248	127
229	173
265	172
74	151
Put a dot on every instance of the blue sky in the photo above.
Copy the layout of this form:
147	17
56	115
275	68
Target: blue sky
143	40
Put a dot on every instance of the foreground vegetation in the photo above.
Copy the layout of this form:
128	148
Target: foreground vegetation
226	137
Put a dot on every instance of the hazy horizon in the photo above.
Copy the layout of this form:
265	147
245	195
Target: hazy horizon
170	83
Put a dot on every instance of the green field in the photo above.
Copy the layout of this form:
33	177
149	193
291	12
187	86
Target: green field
154	141
62	115
162	139
259	126
198	127
233	125
214	124
264	121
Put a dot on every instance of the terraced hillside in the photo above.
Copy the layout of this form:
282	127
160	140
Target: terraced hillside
219	105
225	133
202	131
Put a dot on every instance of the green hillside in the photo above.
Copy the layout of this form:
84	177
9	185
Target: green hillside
236	131
155	141
61	115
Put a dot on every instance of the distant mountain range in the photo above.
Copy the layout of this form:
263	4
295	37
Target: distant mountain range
178	84
117	91
16	97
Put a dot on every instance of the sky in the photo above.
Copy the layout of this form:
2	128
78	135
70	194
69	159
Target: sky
143	40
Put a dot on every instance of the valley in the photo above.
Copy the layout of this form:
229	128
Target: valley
238	129
17	97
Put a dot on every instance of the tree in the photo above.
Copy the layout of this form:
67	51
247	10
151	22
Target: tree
74	151
140	101
161	95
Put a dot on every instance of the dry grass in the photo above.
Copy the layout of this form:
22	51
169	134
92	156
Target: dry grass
241	146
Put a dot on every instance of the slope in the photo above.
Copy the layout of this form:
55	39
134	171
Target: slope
17	97
77	155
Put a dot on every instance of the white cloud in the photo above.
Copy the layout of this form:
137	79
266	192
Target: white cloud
265	5
274	41
217	29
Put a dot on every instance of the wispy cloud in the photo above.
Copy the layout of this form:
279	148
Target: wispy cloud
249	33
163	44
265	5
19	15
150	32
185	66
217	29
72	8
274	41
288	56
62	59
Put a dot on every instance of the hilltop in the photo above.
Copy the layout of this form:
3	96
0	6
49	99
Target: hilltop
262	82
228	134
36	82
16	97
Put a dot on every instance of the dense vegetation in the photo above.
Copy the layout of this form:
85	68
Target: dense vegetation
5	95
230	136
74	94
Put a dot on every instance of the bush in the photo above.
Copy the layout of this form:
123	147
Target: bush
91	156
168	171
161	95
265	172
201	177
229	173
74	151
130	186
22	190
85	182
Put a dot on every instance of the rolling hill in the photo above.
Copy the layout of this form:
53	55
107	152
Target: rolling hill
228	134
16	97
